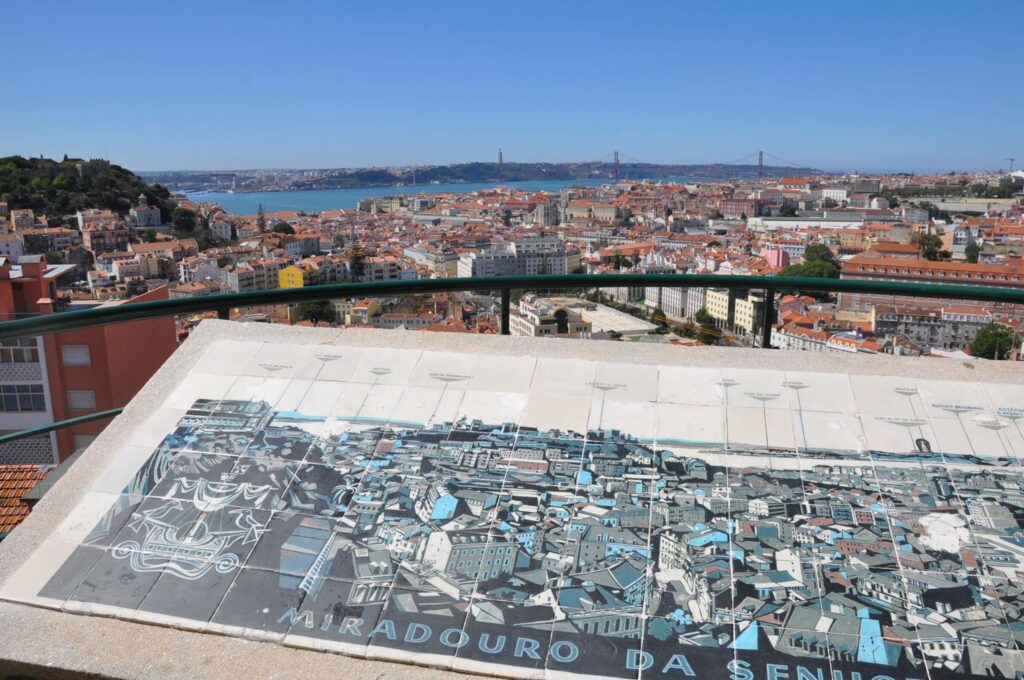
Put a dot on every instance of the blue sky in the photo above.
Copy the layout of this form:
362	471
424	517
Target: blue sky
839	85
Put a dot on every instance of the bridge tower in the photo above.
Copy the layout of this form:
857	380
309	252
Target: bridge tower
616	164
760	164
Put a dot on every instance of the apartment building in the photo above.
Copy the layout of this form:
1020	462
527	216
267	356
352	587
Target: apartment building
49	239
537	317
92	216
63	375
943	327
531	256
384	268
23	219
103	237
11	246
671	300
260	274
737	208
870	267
412	321
143	215
198	268
735	310
298	275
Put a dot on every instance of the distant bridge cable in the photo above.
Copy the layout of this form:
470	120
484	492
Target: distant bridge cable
634	160
736	161
785	162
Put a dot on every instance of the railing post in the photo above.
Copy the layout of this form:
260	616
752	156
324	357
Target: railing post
224	313
506	308
767	320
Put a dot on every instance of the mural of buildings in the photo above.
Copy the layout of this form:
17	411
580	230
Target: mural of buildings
611	520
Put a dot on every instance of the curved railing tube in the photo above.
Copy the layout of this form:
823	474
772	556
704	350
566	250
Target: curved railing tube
55	323
98	316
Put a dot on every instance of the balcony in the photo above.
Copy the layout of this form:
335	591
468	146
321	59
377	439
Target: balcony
520	507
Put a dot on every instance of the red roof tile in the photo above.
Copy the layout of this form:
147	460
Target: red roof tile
15	482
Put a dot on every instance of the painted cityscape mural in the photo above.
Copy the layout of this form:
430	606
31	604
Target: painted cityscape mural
538	517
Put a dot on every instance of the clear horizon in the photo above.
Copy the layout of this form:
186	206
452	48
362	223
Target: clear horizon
905	87
1018	166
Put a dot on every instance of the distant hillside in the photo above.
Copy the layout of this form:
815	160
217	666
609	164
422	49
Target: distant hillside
473	172
59	189
482	172
519	172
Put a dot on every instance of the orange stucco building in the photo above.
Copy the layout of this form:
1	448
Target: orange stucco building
64	375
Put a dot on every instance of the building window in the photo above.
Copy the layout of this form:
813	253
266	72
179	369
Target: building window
83	440
17	398
75	355
82	400
20	351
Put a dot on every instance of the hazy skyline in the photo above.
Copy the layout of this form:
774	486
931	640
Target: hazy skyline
917	86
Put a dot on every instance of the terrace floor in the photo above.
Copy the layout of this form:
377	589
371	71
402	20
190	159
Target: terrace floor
530	508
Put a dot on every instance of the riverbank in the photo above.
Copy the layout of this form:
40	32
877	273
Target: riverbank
318	200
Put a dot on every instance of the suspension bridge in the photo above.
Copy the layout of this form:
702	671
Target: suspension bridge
616	158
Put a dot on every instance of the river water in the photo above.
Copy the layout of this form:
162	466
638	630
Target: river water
337	199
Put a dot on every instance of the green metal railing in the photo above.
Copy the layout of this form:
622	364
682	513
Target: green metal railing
223	303
60	424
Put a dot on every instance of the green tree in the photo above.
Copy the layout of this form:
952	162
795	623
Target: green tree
27	183
930	245
283	228
972	251
55	257
818	252
183	219
815	269
318	311
658	316
357	262
787	211
994	341
261	218
708	331
65	183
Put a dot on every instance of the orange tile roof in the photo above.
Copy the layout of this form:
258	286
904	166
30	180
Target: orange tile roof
15	482
928	268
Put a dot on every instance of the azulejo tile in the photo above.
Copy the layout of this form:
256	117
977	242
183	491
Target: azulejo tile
423	626
338	616
263	602
608	520
70	564
122	577
189	593
596	643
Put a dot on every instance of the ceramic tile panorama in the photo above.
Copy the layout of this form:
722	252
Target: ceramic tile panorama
549	518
